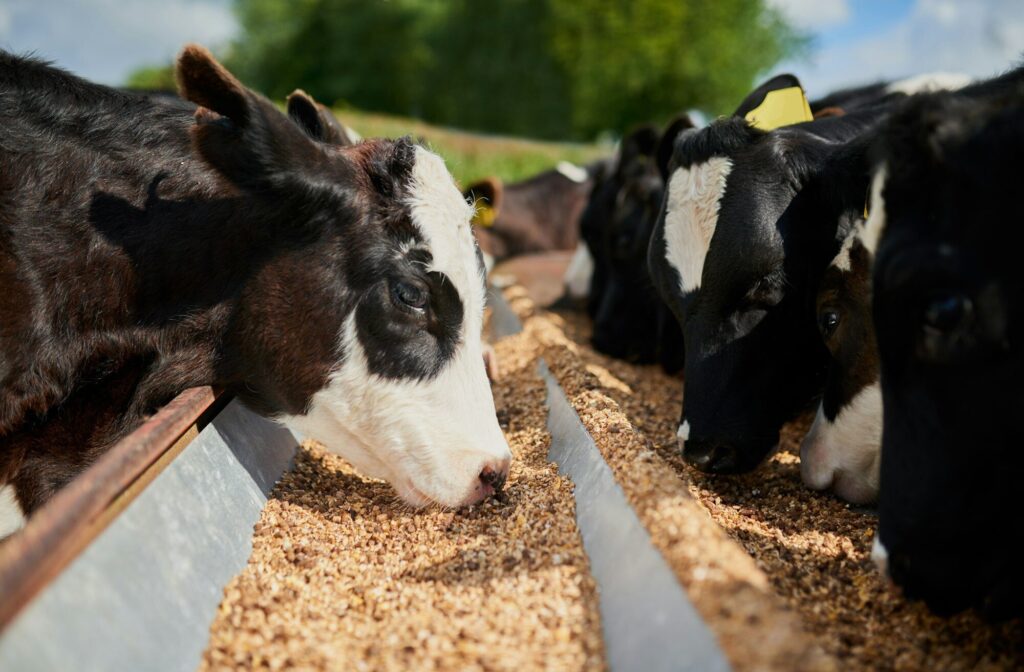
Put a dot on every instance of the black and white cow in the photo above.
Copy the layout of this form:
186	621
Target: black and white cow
949	318
148	246
855	97
750	221
842	448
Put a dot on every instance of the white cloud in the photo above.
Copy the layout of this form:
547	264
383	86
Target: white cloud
979	38
104	40
814	14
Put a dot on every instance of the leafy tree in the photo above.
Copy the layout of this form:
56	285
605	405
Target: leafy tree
646	59
494	70
152	78
541	68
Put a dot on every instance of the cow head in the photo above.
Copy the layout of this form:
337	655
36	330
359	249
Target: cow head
948	312
359	322
842	449
746	229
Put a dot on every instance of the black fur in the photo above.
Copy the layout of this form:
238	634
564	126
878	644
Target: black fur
148	246
630	320
754	358
949	316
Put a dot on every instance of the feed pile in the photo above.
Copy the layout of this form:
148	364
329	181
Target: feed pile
812	548
343	576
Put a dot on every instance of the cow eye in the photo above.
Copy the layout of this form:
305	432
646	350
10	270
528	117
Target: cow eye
947	311
410	294
828	322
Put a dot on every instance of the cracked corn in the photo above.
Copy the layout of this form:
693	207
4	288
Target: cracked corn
343	576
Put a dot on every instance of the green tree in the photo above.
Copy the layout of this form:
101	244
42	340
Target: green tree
495	70
646	59
153	78
566	69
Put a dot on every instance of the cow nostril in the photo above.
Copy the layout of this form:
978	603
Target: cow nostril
712	457
495	478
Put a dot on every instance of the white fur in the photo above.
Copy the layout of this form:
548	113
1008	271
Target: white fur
931	81
880	556
429	439
579	272
572	172
12	518
846	454
683	433
691	215
875	226
351	135
842	259
488	261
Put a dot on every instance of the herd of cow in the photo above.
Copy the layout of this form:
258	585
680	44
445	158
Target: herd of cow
857	251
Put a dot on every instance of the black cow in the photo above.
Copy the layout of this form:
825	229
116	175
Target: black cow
843	447
630	320
949	320
148	246
751	219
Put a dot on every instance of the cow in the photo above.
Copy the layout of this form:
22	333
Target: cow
539	214
148	246
948	308
842	448
630	320
855	97
750	220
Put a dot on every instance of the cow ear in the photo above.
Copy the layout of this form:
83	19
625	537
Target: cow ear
638	145
238	132
667	143
641	141
486	195
756	97
317	120
207	83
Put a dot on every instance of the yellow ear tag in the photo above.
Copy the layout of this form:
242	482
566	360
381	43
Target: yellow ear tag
782	107
484	215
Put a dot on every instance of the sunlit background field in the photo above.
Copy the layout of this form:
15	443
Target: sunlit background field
575	74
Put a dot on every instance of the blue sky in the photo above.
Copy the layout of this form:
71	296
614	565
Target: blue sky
855	41
859	41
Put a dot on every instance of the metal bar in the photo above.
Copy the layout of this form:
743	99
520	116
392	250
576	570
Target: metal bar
57	532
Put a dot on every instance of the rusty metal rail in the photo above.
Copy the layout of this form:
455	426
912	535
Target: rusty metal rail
66	524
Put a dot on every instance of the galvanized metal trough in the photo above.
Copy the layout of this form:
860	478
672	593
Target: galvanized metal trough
125	568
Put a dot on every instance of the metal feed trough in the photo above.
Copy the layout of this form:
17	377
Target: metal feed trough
125	568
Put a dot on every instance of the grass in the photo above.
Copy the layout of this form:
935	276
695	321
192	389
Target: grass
471	156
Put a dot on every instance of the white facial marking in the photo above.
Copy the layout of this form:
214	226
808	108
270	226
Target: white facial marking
430	439
931	81
579	272
572	172
842	259
880	556
683	433
875	226
846	454
12	518
691	215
